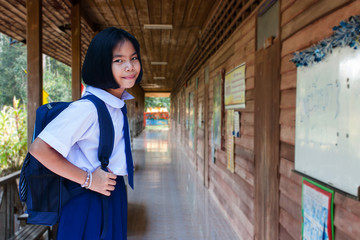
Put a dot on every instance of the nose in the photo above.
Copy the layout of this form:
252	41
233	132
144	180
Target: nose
129	67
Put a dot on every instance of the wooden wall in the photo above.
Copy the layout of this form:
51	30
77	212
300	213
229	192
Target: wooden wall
303	23
234	192
136	109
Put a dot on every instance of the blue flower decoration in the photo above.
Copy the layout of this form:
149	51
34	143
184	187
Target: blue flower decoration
346	34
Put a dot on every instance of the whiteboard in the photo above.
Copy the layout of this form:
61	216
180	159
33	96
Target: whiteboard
327	140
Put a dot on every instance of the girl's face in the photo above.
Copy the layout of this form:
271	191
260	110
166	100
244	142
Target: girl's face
125	65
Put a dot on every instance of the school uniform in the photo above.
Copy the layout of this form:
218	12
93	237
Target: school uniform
75	135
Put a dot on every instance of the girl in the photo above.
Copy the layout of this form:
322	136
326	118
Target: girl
68	145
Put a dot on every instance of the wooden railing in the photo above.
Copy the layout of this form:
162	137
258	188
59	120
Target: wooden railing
10	205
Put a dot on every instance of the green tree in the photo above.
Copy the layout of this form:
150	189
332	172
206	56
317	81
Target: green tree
13	138
12	75
57	80
163	102
13	78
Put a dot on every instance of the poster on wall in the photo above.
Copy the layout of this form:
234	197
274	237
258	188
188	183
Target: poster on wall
200	115
187	112
191	120
234	91
216	120
236	132
230	140
317	211
178	110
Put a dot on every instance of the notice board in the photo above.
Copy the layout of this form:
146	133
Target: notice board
234	93
327	140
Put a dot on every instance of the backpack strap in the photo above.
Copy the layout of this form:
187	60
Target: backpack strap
106	142
106	145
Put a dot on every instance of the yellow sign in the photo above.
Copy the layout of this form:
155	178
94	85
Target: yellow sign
235	88
45	97
230	140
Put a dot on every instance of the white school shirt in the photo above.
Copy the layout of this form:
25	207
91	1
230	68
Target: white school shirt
75	132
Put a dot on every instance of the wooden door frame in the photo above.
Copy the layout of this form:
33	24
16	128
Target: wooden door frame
267	141
206	127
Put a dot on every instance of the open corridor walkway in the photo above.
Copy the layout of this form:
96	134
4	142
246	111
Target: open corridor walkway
169	201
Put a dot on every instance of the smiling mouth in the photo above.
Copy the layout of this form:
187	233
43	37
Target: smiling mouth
130	77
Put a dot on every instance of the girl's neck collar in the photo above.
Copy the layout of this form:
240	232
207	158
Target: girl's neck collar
118	92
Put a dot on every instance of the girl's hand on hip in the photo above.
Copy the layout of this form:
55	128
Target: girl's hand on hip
103	182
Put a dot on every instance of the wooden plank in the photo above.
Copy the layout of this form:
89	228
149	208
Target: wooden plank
348	204
243	202
288	98
249	83
291	207
283	234
145	36
266	141
245	142
347	222
340	235
288	80
291	189
247	118
34	60
244	153
30	232
287	116
106	11
319	29
287	151
285	4
247	165
120	14
250	97
286	168
287	134
236	183
245	175
315	12
247	130
209	52
166	18
76	51
249	106
295	9
286	65
221	203
292	226
207	126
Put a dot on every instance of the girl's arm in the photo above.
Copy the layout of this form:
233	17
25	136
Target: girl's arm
102	182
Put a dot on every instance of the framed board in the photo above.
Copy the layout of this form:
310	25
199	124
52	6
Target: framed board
216	117
317	211
327	140
235	88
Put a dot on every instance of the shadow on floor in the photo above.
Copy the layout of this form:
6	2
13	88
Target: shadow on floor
137	220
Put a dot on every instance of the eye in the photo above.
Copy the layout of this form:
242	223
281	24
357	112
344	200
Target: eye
119	61
134	58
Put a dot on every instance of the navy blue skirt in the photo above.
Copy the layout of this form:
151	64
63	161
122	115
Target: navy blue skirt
83	216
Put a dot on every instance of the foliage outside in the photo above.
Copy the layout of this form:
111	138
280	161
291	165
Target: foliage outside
13	83
163	102
13	140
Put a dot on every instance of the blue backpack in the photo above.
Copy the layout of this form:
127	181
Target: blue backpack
45	192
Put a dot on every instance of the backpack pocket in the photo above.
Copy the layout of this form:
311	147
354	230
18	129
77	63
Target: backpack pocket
45	188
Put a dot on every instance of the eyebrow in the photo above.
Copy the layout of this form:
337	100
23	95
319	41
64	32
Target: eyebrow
117	55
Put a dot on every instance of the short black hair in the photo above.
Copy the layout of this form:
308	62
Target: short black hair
96	70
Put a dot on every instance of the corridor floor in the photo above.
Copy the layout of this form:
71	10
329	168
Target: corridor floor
169	201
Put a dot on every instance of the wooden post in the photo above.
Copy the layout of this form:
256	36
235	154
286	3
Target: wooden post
206	127
267	142
76	50
34	61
